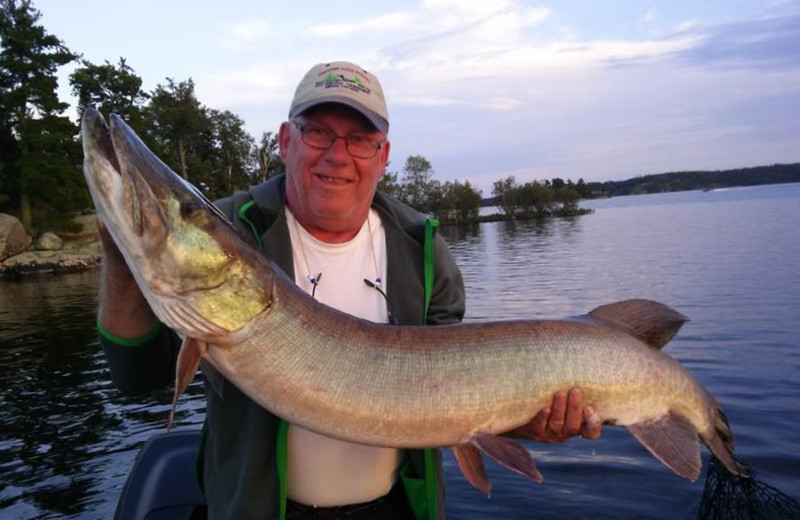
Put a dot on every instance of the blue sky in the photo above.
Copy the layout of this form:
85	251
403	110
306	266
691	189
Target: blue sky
599	90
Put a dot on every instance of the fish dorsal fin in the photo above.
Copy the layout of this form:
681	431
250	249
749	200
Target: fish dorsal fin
652	322
672	439
508	454
470	463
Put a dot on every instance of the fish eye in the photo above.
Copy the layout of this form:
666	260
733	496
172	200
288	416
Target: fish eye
190	209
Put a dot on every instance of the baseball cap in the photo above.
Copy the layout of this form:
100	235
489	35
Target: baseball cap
346	83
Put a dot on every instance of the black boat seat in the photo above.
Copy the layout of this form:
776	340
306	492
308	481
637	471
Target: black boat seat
162	484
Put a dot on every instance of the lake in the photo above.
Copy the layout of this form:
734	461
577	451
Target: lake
728	259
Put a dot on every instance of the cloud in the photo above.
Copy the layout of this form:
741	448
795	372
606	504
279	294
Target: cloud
771	42
246	32
378	23
484	89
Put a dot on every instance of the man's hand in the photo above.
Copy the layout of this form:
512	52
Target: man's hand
123	309
565	418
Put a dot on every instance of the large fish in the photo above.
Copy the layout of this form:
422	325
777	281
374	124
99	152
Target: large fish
397	386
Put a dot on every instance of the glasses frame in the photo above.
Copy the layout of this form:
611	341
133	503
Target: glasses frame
346	138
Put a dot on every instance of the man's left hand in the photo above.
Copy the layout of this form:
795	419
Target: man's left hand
565	418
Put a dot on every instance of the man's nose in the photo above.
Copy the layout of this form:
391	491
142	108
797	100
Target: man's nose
338	150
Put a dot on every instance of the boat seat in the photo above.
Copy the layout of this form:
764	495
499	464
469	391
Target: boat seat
162	484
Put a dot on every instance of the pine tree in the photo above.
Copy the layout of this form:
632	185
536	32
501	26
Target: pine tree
40	153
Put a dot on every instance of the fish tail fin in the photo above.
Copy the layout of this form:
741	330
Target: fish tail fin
720	442
188	361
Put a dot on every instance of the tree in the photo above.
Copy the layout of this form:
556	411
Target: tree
269	161
177	122
417	182
533	198
461	202
505	191
38	143
234	167
583	189
568	198
110	88
389	185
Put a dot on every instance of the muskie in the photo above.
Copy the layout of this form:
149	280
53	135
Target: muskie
459	385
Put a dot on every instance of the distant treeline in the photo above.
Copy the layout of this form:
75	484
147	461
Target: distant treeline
697	180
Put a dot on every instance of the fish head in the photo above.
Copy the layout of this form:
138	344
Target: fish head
194	268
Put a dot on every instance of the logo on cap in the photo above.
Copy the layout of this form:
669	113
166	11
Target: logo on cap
340	81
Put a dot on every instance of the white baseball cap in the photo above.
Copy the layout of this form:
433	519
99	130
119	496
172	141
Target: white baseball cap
346	83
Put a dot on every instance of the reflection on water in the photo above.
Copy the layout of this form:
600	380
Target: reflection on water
62	424
68	438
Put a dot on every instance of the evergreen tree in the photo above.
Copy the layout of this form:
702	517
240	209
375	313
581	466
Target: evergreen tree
110	88
40	155
234	168
180	127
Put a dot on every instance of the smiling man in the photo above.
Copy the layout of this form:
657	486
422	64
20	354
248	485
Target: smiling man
349	247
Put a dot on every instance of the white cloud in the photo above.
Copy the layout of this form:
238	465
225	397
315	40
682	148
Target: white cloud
686	25
246	32
379	23
650	16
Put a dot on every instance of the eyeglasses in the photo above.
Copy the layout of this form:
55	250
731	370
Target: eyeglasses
323	138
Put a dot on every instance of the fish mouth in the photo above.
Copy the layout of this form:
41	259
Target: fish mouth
130	176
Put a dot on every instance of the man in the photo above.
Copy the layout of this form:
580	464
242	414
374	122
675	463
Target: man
349	247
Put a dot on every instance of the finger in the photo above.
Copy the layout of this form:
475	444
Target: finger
558	411
537	428
574	416
593	425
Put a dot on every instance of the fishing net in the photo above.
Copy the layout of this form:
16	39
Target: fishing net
731	497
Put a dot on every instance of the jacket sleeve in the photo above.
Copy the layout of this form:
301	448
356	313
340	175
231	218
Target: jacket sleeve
143	365
448	301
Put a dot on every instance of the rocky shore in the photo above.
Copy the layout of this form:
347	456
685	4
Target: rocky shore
22	254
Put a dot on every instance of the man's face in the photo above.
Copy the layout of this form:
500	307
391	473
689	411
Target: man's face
330	191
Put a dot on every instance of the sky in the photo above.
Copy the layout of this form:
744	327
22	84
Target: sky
579	89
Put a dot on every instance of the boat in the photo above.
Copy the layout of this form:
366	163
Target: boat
163	484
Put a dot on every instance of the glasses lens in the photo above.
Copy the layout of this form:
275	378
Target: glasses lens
357	145
317	136
362	147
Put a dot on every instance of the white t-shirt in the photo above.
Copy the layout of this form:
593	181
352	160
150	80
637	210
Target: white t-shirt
323	471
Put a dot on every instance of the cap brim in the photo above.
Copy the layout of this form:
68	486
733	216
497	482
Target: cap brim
376	120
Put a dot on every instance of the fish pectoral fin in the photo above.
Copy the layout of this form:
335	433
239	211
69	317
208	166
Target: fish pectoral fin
470	463
188	361
672	439
652	322
214	378
509	454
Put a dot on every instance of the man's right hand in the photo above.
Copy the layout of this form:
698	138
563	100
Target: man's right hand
124	311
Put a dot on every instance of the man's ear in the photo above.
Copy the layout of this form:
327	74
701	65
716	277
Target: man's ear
284	135
385	156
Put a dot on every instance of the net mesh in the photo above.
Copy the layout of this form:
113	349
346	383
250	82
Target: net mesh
731	497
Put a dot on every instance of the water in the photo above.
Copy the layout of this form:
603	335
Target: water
728	259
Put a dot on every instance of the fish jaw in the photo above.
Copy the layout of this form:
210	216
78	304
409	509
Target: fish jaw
186	257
